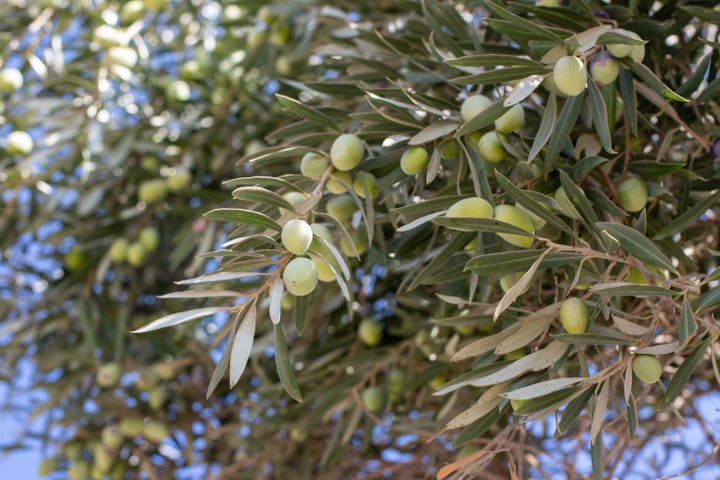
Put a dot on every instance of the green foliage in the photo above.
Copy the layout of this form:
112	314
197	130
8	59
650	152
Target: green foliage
203	132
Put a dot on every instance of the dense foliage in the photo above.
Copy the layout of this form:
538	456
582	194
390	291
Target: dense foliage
409	239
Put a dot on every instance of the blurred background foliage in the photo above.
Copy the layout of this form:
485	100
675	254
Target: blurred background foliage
145	115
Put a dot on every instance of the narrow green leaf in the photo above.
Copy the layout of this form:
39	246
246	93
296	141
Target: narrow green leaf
529	202
691	85
647	76
245	217
632	417
585	166
594	339
615	37
478	427
433	131
429	206
303	111
547	125
221	277
629	98
651	168
626	289
300	312
566	122
637	244
284	367
261	195
574	409
683	373
180	317
479	225
596	457
519	261
553	400
492	60
688	327
242	345
707	300
500	75
600	116
688	217
451	248
577	197
221	367
500	12
261	181
545	387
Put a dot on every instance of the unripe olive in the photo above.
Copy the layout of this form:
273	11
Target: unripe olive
124	56
47	466
146	380
136	254
108	375
508	280
396	382
574	315
255	38
287	302
155	4
472	106
373	399
300	276
637	53
619	50
347	152
338	183
107	36
179	180
118	250
511	120
19	143
570	76
356	241
79	470
313	165
76	259
364	182
111	437
450	149
157	397
413	160
178	91
149	237
152	191
473	207
342	207
437	381
131	11
633	194
491	148
296	236
131	427
604	68
370	332
512	215
647	368
321	231
324	270
155	431
232	13
537	221
11	79
293	199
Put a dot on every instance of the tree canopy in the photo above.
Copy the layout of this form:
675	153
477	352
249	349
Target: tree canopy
407	239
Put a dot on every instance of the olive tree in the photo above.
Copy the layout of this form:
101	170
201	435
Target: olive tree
407	239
